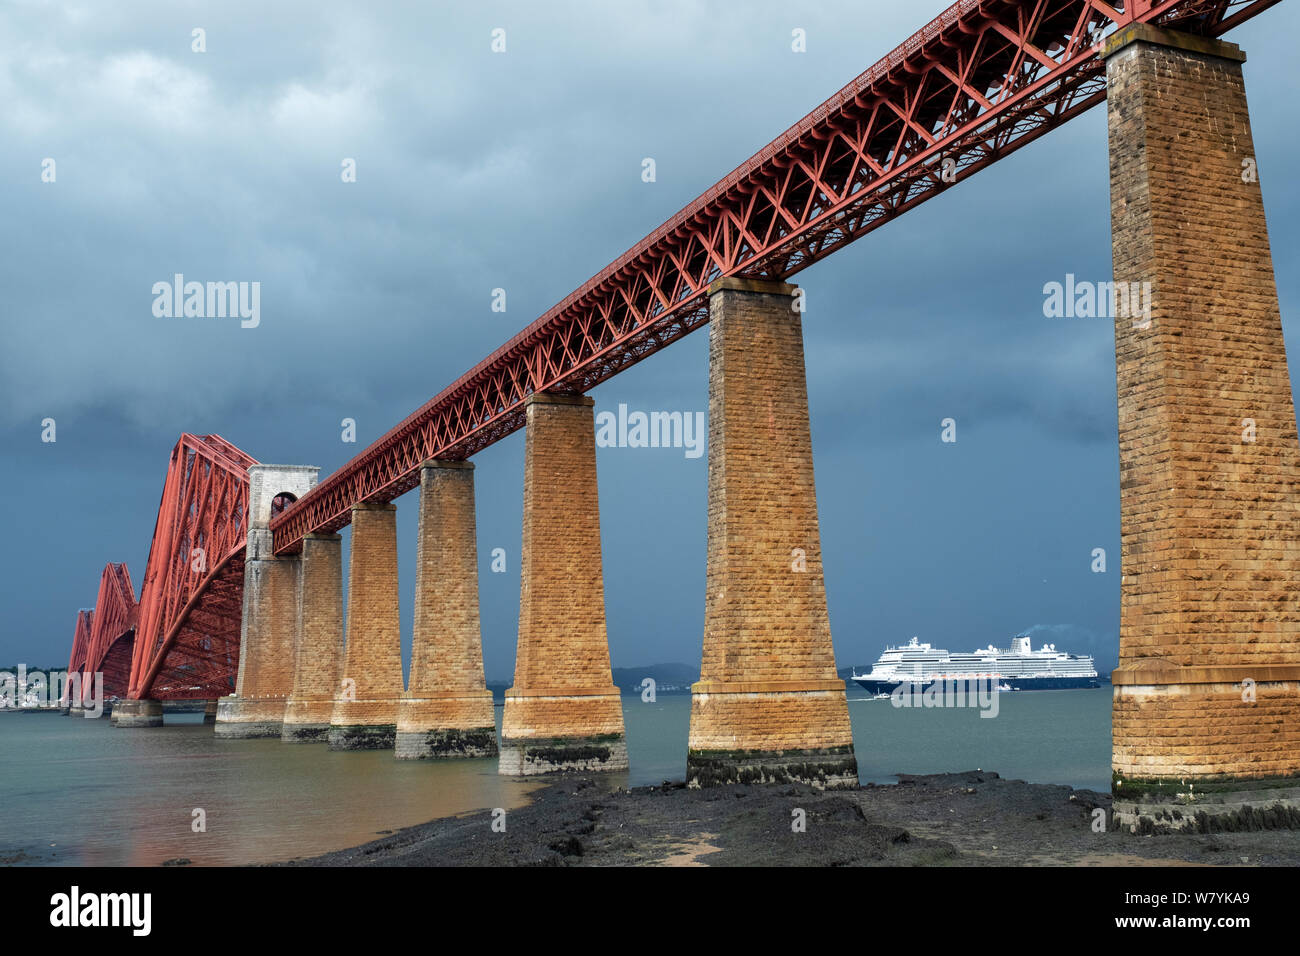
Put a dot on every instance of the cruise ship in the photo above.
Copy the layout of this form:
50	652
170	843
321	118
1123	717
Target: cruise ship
1018	667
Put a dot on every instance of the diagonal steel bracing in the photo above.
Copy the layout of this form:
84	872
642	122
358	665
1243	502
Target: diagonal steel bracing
982	80
187	640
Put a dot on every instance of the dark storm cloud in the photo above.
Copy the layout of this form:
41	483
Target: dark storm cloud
522	171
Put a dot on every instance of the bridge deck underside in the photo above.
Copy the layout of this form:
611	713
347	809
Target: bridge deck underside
979	82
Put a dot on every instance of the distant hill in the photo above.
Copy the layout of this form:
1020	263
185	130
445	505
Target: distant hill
668	678
677	678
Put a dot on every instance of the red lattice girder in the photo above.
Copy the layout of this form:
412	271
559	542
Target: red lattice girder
979	82
80	645
187	643
112	633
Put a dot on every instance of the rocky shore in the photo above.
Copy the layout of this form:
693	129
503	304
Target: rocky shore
974	818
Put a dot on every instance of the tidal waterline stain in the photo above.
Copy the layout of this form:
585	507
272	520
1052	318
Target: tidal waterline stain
115	797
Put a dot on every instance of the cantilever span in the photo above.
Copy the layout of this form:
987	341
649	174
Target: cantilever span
980	81
187	644
112	636
181	639
77	658
105	637
80	643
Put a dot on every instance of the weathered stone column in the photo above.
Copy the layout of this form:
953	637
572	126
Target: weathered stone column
310	707
768	706
135	713
269	627
563	712
266	642
1206	701
447	711
365	709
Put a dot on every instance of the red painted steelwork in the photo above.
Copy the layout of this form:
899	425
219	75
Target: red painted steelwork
187	643
980	81
80	645
112	633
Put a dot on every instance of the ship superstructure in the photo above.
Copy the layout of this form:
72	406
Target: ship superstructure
1018	667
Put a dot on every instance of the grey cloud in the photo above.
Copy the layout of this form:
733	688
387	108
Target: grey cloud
523	171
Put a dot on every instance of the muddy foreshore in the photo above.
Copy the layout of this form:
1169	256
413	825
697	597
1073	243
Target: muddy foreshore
974	818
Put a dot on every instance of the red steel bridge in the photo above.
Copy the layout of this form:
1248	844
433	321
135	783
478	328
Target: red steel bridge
181	640
980	81
105	637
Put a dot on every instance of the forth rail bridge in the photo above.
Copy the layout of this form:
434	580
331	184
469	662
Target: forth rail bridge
242	598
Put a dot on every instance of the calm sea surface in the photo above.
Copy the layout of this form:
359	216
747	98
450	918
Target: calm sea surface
78	791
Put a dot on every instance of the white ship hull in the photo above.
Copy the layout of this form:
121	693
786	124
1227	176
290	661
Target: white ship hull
1019	667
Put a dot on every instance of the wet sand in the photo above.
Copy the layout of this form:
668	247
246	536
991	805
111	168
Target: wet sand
963	819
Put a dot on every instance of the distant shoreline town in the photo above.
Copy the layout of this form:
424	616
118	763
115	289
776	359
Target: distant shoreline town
669	678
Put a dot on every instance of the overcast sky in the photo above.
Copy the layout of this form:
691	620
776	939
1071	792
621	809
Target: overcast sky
522	171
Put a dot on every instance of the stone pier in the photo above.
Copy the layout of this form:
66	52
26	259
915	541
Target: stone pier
137	713
269	628
447	710
319	651
563	712
1206	717
365	707
267	637
769	706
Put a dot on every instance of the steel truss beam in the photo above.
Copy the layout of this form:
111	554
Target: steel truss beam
112	632
187	643
80	647
982	80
